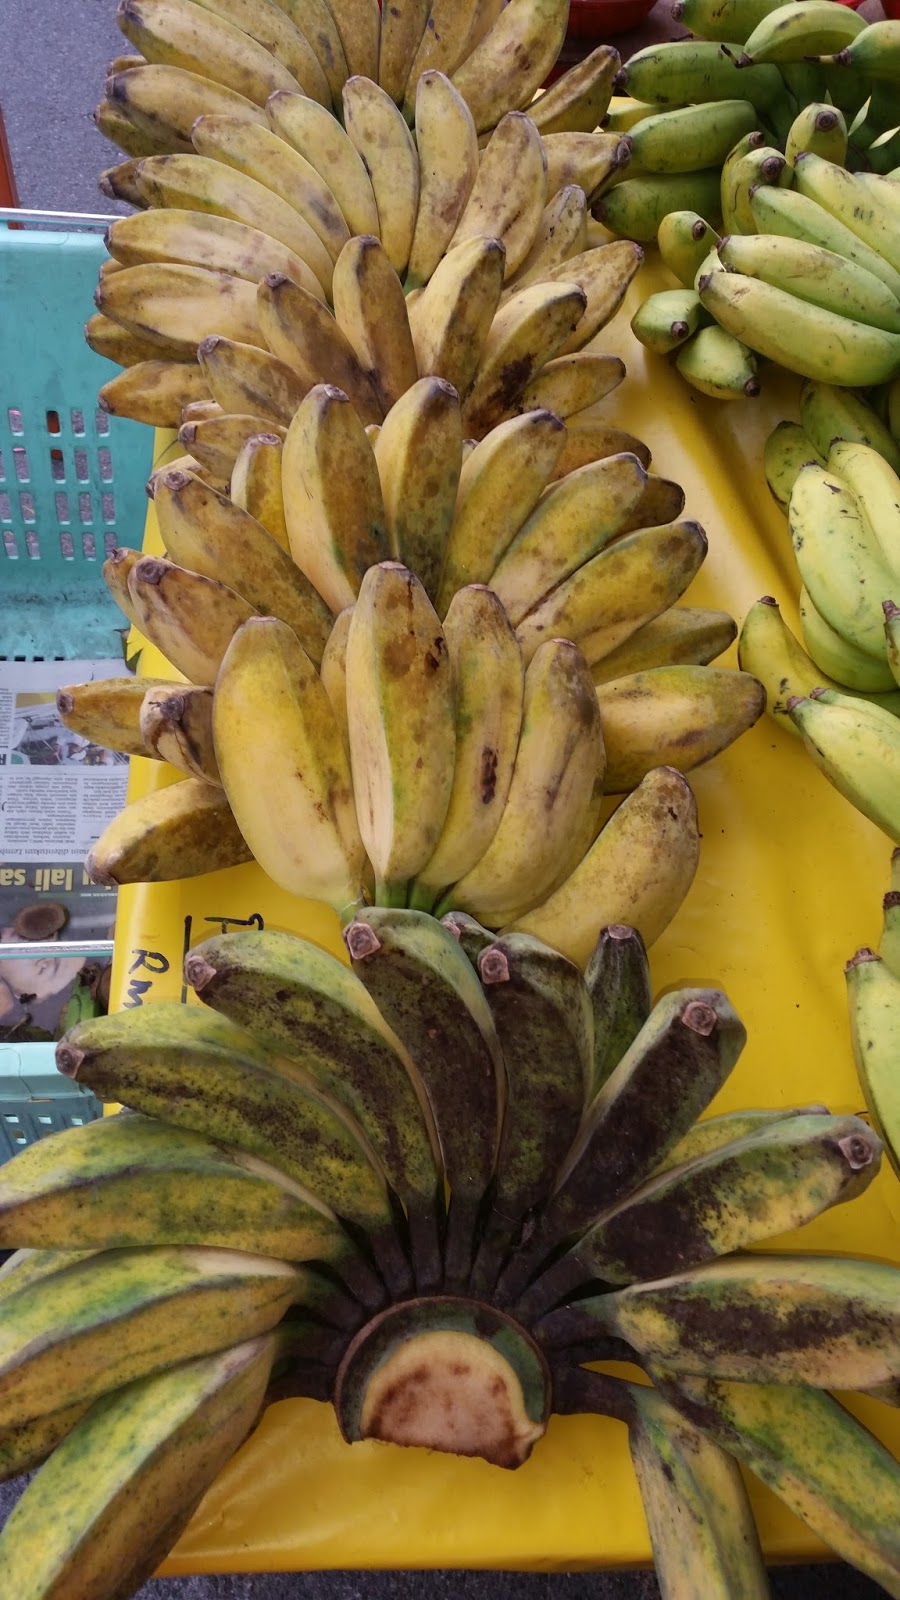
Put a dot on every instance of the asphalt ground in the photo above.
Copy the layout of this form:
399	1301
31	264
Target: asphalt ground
53	55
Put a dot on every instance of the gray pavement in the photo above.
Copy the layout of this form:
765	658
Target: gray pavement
54	54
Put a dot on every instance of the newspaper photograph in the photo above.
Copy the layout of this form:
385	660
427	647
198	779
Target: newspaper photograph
57	794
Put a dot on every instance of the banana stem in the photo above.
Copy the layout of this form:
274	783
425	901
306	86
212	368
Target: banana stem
390	894
577	1391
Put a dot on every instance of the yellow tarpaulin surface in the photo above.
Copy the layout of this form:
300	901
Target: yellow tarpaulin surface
789	885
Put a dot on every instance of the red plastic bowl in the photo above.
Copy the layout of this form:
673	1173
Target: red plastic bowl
601	19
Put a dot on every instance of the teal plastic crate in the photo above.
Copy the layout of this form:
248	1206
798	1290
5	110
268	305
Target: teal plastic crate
71	478
71	489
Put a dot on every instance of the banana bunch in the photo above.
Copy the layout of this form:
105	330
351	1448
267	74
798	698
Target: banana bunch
382	1184
360	256
195	56
455	765
751	128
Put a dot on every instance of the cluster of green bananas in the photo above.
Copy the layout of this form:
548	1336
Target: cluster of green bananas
427	1188
873	993
808	272
457	763
835	476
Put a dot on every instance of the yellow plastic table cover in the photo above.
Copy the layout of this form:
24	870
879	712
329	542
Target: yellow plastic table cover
789	886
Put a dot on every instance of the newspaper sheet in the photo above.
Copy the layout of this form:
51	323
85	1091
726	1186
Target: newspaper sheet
57	794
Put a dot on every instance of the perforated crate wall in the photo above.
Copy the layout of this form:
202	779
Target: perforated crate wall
71	478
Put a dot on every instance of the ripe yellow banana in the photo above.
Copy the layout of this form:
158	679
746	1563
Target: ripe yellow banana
176	723
511	60
119	124
402	27
573	520
527	332
359	26
499	486
260	154
675	716
419	457
577	102
168	303
618	591
681	636
590	437
207	533
559	763
442	46
588	159
316	19
319	137
448	167
107	711
165	102
370	310
270	26
154	392
401	725
333	673
488	676
116	570
181	831
451	318
190	618
304	334
561	233
247	381
637	872
603	274
118	344
256	484
121	183
178	33
217	441
570	384
198	183
200	239
333	502
509	194
378	131
301	823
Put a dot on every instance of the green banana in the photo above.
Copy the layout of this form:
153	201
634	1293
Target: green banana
787	449
428	991
690	71
868	213
760	166
873	52
816	343
889	943
714	1132
666	319
873	996
821	129
469	934
768	649
817	276
857	749
635	208
303	1003
841	564
840	660
692	138
718	364
828	412
801	29
684	241
876	488
796	216
730	20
